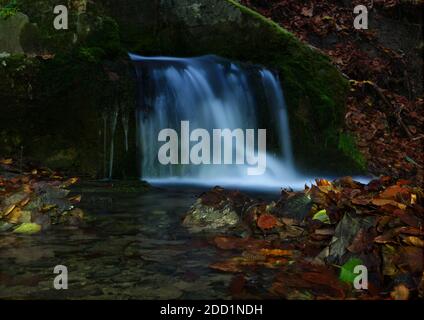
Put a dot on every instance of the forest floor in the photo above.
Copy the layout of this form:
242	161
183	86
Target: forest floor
384	64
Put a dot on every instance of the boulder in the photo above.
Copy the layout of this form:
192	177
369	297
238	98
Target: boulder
217	211
10	32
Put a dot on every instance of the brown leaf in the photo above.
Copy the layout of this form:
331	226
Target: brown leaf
8	210
413	257
231	243
308	12
414	241
382	202
393	191
75	199
14	216
24	202
267	221
400	292
227	266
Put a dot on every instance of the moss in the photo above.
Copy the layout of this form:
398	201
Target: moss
91	54
105	36
347	145
73	89
8	9
315	90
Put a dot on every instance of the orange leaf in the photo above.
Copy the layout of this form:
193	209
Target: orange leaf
276	252
400	292
267	221
393	191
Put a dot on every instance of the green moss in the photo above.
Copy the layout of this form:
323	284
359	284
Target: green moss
91	54
347	145
105	36
9	9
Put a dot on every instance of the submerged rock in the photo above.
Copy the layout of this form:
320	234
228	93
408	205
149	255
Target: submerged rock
217	211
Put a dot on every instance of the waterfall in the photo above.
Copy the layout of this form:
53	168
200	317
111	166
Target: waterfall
125	125
211	93
112	139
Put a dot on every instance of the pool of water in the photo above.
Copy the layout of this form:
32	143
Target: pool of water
133	246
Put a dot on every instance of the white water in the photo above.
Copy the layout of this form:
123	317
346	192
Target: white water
211	93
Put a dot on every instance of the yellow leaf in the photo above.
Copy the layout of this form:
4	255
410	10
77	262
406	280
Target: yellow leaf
14	216
8	210
28	228
47	207
413	198
75	198
6	161
69	182
414	241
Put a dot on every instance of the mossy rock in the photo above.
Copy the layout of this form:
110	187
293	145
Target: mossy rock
63	99
315	90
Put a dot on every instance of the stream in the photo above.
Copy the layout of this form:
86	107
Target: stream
133	246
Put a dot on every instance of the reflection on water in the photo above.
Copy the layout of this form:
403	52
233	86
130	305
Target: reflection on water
133	248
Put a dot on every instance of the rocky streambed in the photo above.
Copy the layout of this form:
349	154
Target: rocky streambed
126	240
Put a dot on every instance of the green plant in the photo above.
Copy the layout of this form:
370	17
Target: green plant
9	10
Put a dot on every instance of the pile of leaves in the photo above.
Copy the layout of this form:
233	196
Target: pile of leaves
308	243
385	106
32	200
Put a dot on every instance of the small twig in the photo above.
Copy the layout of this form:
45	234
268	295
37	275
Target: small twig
398	117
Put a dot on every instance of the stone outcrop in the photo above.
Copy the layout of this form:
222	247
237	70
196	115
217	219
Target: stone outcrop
102	32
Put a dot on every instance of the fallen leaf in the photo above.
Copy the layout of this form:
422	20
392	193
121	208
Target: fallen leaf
322	216
414	241
400	292
382	202
393	191
6	161
28	228
8	210
346	272
69	182
276	252
267	221
14	216
48	207
75	199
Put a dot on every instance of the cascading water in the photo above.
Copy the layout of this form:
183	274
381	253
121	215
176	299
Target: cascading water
211	93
